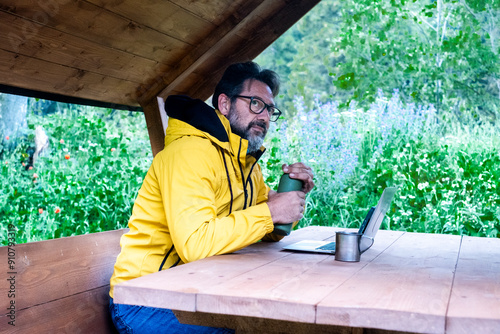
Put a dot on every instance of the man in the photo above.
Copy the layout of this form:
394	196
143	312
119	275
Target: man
204	194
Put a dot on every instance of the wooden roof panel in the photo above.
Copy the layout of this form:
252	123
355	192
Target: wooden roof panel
17	70
127	52
215	11
85	20
164	16
61	48
261	26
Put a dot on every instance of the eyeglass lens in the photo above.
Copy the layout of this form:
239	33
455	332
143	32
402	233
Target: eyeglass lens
258	106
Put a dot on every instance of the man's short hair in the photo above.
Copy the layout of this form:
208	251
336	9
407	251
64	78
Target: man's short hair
235	75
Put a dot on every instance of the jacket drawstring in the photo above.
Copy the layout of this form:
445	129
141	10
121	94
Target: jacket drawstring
249	180
243	181
166	257
228	180
176	263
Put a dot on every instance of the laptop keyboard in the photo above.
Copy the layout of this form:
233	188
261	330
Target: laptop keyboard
329	246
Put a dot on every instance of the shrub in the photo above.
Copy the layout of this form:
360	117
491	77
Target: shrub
445	171
85	182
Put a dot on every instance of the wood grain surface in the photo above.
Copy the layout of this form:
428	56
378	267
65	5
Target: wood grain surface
407	282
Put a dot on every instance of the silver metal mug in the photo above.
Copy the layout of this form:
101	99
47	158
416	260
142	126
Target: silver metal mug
347	246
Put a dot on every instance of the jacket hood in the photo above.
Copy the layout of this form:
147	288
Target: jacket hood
196	113
206	120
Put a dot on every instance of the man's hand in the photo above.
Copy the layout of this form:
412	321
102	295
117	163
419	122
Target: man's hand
302	172
286	207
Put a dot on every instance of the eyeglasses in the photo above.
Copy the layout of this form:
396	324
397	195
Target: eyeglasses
257	106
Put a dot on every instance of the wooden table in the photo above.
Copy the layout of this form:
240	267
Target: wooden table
407	282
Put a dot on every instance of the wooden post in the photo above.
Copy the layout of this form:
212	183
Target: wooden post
155	124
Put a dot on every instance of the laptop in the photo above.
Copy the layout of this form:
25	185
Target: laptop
368	229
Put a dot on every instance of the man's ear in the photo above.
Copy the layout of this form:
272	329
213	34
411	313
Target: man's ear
224	104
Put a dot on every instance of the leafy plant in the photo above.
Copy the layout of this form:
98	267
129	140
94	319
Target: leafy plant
440	52
85	182
445	173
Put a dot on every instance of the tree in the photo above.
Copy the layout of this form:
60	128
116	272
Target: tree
13	110
301	56
432	51
444	52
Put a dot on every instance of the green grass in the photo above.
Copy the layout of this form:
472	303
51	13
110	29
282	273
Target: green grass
93	190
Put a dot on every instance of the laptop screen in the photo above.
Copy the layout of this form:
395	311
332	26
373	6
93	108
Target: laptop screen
377	218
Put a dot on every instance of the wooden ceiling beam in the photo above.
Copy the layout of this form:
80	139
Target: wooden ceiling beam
213	10
251	21
237	40
88	21
61	48
203	51
251	43
169	18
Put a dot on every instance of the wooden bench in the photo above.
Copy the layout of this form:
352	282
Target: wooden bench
58	286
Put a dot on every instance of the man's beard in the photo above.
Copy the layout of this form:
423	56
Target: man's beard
255	141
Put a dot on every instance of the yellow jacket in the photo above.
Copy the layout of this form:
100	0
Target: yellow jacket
202	196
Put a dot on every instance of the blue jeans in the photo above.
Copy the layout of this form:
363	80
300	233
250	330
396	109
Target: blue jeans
133	319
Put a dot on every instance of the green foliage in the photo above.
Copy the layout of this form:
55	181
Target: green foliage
301	56
442	188
443	52
85	182
446	173
443	159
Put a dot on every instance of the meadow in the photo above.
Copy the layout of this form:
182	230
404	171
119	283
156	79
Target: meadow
85	181
445	168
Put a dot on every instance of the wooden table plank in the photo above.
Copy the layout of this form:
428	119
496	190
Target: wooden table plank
476	289
171	289
403	283
288	288
393	291
253	325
